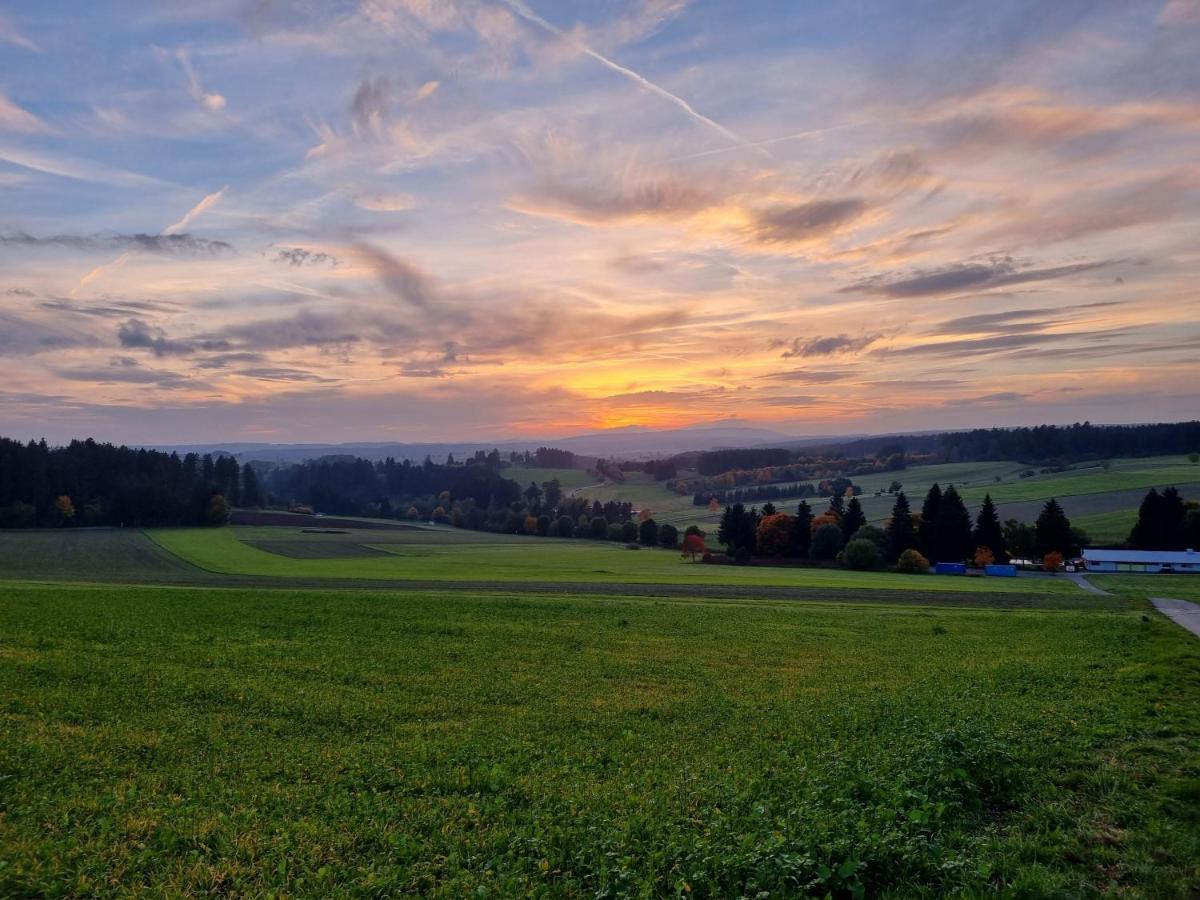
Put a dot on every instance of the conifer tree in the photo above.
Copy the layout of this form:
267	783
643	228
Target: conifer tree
988	532
900	531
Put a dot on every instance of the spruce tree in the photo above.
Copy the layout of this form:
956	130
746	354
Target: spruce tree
1173	531
837	505
802	530
901	534
988	532
927	529
1145	534
853	519
952	533
1052	532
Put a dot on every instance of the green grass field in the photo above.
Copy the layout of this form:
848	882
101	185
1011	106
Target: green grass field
407	557
570	479
1099	493
1107	528
178	741
1124	475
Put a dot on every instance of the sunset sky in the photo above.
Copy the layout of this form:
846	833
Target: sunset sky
476	219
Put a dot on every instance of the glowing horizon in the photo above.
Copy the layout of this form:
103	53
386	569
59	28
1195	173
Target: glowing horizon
477	219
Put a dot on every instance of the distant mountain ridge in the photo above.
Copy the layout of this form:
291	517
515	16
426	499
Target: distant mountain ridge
618	443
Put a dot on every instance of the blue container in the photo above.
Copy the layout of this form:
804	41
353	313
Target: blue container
950	569
1000	571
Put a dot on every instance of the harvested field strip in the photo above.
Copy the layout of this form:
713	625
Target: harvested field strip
316	549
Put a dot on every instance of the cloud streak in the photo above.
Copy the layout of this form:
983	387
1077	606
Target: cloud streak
521	9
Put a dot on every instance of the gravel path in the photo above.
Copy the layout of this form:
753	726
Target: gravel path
1182	612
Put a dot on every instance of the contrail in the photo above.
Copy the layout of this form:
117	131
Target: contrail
207	203
196	211
530	16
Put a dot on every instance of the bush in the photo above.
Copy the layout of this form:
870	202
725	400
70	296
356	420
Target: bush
633	546
668	535
648	532
599	527
742	557
911	562
826	542
862	555
629	532
875	536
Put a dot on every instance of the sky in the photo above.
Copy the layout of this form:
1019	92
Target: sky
340	220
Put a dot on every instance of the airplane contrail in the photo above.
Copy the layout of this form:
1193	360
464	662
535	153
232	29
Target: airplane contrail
209	201
530	16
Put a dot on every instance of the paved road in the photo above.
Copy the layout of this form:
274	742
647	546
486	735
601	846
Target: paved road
1182	612
1086	585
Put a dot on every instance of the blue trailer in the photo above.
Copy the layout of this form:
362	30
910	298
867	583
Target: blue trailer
945	568
1000	571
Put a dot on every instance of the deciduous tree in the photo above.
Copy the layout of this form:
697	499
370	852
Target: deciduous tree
775	533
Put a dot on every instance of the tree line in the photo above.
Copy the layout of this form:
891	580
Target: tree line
86	483
943	531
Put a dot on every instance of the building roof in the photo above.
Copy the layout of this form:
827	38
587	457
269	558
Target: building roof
1142	556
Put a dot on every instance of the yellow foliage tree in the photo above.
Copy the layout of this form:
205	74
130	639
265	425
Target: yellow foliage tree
64	509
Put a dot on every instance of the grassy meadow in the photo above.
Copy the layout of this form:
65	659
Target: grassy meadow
1103	500
180	740
410	556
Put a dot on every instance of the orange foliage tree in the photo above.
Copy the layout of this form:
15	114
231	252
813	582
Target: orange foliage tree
1052	561
984	556
775	534
824	519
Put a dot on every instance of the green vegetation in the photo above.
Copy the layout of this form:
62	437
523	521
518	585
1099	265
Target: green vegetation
534	559
1107	528
1122	475
1181	587
202	741
570	479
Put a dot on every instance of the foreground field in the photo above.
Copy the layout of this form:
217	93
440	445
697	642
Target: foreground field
210	741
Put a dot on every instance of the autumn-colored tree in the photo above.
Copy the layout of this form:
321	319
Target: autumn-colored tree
713	505
64	509
984	556
911	562
823	519
693	546
644	515
413	513
775	534
1052	561
531	524
218	510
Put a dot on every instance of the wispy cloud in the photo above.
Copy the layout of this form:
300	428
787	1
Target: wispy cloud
9	34
160	244
969	276
529	15
15	118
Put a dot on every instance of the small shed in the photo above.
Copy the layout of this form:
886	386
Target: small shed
1100	560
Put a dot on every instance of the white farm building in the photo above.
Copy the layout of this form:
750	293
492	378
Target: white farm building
1141	560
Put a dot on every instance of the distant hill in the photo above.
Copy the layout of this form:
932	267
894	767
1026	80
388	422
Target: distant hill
617	443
